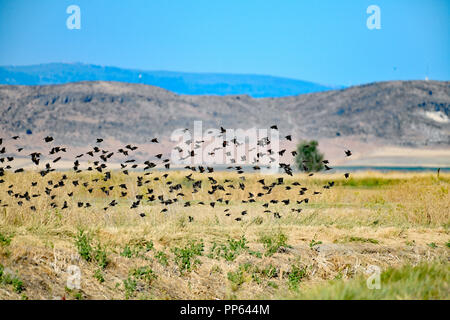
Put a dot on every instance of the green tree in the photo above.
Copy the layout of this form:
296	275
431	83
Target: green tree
309	158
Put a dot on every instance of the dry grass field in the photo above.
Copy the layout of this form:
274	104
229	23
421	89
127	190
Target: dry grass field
396	221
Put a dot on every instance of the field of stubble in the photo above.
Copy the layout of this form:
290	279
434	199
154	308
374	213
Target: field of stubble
398	222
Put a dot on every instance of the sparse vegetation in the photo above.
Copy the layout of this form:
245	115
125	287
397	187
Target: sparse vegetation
369	220
99	275
11	279
74	293
83	244
236	278
230	250
424	281
359	239
432	245
295	276
162	258
185	257
274	243
144	273
313	243
88	252
130	285
5	240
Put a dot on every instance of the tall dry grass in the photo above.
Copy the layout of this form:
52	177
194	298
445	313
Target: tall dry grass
384	218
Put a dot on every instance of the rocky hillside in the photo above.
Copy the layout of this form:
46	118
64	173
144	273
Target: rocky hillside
404	113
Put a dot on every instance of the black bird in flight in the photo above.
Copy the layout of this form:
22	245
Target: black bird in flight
126	190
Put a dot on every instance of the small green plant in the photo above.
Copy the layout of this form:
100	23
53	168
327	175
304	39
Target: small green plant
215	269
256	278
101	256
98	274
17	285
228	251
432	245
5	240
162	258
295	276
273	244
144	273
255	253
270	272
10	279
236	278
137	249
236	245
314	242
338	276
83	244
410	243
447	244
127	252
185	257
149	246
76	294
130	286
359	239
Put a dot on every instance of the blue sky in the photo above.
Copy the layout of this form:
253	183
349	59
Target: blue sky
321	41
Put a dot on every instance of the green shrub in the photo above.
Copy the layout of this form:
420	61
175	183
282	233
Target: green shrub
270	272
314	242
432	245
127	252
5	240
137	249
162	258
83	244
308	158
130	286
144	273
295	276
236	278
98	274
185	257
101	256
228	251
273	244
13	280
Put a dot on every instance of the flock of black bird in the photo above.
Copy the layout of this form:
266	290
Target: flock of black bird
99	157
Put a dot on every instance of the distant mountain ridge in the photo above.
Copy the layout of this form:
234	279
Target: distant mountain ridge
257	86
404	113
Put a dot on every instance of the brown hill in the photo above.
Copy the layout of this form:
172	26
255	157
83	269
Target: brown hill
403	113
